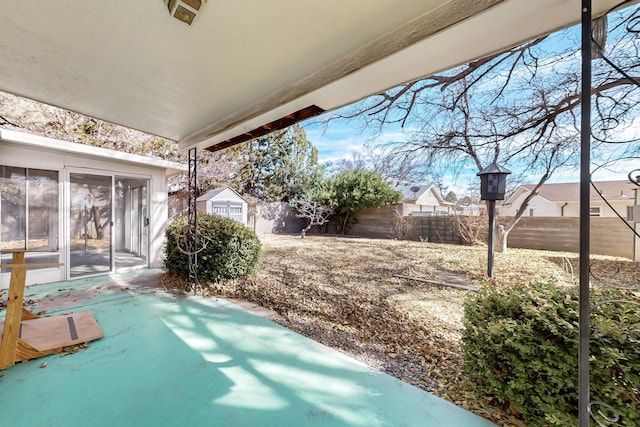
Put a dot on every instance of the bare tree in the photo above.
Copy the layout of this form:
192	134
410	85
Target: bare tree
519	107
315	212
394	167
54	122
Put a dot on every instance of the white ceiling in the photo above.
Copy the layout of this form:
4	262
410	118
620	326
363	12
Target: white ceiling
245	63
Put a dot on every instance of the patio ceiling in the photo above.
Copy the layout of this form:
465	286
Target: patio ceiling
245	67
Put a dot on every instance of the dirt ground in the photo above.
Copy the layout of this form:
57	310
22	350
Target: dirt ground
344	293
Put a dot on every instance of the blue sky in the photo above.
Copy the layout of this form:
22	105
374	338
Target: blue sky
339	139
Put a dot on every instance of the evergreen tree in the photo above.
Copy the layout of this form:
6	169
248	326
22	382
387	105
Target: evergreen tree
358	189
278	166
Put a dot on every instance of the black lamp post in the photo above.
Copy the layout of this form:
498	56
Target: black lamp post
493	184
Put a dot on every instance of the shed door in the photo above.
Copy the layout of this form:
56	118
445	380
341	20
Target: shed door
228	209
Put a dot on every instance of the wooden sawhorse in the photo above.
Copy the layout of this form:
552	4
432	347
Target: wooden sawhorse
26	335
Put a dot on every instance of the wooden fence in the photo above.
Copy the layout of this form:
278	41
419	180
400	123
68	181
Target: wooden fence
609	236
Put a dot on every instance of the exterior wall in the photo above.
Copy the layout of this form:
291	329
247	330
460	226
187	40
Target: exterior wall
609	236
473	210
544	208
407	209
573	208
19	156
274	217
201	206
428	202
540	206
619	205
376	222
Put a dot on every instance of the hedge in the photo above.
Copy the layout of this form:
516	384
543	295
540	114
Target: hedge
231	250
521	347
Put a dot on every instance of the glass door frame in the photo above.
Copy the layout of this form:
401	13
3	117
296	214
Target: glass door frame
65	176
138	225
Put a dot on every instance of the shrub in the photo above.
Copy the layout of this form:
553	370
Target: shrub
232	250
521	348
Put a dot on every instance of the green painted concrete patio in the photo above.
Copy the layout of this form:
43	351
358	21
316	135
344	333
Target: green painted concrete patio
171	360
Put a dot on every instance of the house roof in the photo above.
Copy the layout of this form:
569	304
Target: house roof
250	66
413	192
50	144
215	192
570	191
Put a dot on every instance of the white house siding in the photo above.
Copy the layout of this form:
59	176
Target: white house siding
538	206
544	207
428	199
429	202
562	199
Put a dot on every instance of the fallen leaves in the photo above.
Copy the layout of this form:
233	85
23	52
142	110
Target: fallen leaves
73	349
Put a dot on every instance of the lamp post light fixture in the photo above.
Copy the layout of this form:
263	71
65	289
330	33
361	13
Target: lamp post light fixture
493	184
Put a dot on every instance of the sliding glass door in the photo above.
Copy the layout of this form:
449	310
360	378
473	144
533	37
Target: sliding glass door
90	224
131	223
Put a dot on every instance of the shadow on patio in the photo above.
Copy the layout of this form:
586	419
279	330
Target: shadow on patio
168	360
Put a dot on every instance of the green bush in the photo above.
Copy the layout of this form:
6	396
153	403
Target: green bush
230	251
521	348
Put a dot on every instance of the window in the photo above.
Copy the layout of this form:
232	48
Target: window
594	211
28	208
220	210
531	212
28	213
228	209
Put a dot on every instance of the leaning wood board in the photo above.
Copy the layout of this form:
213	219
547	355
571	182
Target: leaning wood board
48	335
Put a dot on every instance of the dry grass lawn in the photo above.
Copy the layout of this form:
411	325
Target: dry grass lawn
342	292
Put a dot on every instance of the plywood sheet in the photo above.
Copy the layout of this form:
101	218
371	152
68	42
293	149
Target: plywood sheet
59	331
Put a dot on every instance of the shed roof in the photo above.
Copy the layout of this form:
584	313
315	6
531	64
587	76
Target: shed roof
217	191
246	67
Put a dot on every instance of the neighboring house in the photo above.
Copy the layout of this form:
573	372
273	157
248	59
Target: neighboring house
226	202
423	199
472	209
557	200
93	210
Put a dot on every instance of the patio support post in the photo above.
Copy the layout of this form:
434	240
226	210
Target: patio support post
585	160
192	220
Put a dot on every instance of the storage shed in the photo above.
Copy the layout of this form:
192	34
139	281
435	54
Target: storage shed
226	202
93	210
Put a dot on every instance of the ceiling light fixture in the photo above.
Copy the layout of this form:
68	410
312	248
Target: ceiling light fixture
184	10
